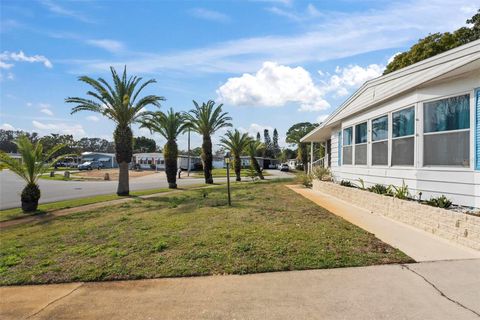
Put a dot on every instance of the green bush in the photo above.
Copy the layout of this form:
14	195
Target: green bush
440	202
305	179
321	173
379	189
347	183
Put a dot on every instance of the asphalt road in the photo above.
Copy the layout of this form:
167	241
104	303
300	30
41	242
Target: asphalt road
11	187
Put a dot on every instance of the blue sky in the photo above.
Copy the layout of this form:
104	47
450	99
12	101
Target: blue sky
272	63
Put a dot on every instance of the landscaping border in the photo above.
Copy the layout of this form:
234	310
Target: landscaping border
454	226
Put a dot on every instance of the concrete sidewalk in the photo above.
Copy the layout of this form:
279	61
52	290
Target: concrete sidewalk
418	244
430	290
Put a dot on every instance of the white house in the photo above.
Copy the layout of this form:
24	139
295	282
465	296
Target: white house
420	124
149	160
108	159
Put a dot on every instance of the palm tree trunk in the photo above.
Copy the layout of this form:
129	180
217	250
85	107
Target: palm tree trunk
170	151
255	165
237	163
123	138
207	158
30	196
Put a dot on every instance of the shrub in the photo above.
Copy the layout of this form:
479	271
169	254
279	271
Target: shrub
379	189
321	173
362	184
401	192
347	183
305	179
440	202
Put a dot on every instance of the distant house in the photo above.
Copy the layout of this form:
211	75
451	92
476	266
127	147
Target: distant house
195	162
264	163
419	125
292	163
108	159
149	160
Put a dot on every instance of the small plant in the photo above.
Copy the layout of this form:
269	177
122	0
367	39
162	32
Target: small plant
321	173
347	183
379	189
362	184
401	192
305	179
440	202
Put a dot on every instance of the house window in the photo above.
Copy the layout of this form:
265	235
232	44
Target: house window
361	144
403	137
347	145
380	141
446	124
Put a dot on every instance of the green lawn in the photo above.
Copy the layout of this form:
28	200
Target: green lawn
269	228
220	173
15	213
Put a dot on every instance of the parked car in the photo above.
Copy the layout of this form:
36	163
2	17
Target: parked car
90	165
284	167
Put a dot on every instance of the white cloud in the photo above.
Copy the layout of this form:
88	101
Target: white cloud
310	12
394	25
107	44
273	85
350	77
62	128
392	57
7	126
54	7
255	128
209	15
46	111
93	118
21	57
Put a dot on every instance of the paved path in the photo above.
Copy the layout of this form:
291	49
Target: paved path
418	244
11	187
430	290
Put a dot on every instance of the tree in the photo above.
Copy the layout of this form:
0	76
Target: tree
144	144
252	148
95	145
286	154
118	102
54	139
206	120
267	141
33	164
294	134
8	138
258	136
436	43
275	147
169	126
236	142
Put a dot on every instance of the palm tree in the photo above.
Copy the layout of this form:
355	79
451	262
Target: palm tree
252	148
118	102
206	120
170	126
32	165
236	142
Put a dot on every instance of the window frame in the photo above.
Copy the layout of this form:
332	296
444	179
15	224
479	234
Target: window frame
387	139
471	141
355	144
414	136
351	145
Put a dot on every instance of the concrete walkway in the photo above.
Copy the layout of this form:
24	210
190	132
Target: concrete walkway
418	244
430	290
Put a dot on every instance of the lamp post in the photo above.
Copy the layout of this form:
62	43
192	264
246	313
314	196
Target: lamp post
227	162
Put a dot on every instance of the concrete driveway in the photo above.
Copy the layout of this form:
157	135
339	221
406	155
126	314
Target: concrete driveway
11	187
429	290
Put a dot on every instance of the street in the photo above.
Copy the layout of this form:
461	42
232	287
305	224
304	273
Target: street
11	187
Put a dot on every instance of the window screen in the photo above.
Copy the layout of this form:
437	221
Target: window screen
361	154
380	153
347	136
347	155
380	128
403	151
447	149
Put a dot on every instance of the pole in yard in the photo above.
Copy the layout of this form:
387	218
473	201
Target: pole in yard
188	161
227	162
